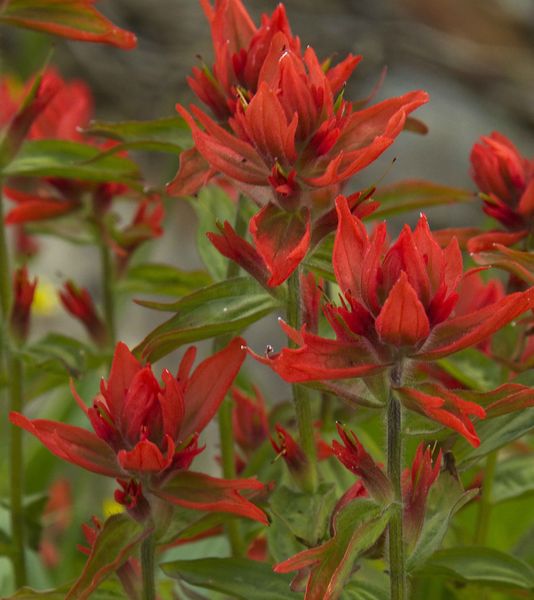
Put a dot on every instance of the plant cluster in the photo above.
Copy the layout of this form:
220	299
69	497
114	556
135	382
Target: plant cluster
409	358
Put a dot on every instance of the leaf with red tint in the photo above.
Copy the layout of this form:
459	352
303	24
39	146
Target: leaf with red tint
490	239
73	444
445	407
193	173
282	240
202	492
463	331
208	386
234	247
507	398
402	320
73	19
357	526
517	262
114	544
33	207
323	358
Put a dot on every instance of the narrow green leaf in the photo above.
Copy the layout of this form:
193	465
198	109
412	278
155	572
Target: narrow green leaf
494	433
449	498
237	577
212	205
117	541
483	565
225	307
472	368
305	515
514	477
363	590
168	134
415	195
153	278
70	160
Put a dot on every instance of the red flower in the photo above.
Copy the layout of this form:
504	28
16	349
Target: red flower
67	110
398	304
249	418
24	290
357	460
72	19
78	302
416	482
150	432
289	139
506	179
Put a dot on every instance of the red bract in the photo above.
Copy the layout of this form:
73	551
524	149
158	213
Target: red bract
73	19
507	181
78	302
357	460
148	432
249	419
24	290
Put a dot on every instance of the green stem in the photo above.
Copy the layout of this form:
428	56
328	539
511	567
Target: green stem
397	568
14	381
486	506
147	568
107	278
301	398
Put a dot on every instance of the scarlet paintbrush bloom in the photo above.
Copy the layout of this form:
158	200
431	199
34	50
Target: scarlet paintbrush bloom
146	434
507	181
72	19
398	305
416	482
67	111
249	419
24	291
289	141
78	302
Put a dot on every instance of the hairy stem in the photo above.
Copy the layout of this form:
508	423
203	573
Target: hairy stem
397	568
13	370
107	279
301	398
147	568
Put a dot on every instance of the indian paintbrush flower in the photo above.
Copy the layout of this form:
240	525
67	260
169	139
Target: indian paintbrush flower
148	433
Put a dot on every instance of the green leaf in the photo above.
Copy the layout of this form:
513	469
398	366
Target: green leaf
494	433
514	477
153	278
212	205
357	527
168	134
363	590
482	565
113	592
71	160
415	195
448	497
116	543
225	307
472	368
305	515
237	577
